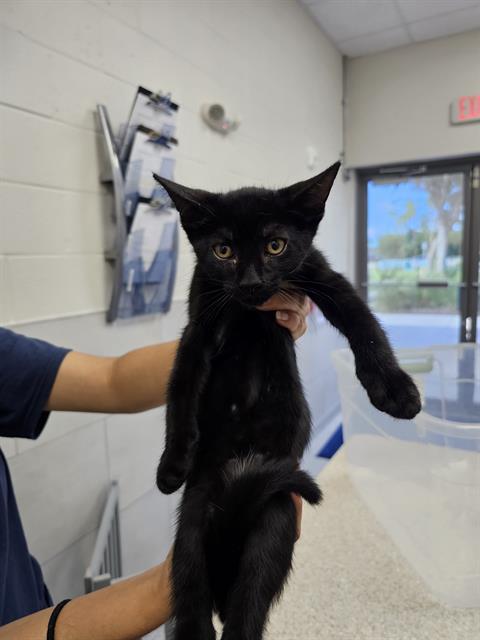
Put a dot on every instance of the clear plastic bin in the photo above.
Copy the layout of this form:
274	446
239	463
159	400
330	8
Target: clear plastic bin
421	478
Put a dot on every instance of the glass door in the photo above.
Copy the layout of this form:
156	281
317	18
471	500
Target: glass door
417	238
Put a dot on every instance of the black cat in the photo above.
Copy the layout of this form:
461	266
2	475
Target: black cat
237	420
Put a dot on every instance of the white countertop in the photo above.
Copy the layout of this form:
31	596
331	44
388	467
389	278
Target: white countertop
351	583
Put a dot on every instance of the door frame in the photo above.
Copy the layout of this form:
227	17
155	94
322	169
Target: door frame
470	167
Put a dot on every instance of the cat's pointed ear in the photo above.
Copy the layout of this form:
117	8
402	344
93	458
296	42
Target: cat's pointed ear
309	196
184	198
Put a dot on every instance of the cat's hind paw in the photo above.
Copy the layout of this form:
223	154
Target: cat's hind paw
170	475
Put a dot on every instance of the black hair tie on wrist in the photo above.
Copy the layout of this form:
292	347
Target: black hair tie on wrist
53	619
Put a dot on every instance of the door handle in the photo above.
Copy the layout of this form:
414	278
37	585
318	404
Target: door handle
432	283
468	328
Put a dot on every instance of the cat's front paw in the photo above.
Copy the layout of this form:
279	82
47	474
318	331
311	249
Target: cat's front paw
392	391
171	474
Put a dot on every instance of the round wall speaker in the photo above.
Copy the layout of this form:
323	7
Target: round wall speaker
214	116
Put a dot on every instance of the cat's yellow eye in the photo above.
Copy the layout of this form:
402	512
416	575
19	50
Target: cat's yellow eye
223	251
275	247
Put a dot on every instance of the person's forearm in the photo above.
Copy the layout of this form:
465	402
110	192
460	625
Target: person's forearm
140	378
125	611
136	381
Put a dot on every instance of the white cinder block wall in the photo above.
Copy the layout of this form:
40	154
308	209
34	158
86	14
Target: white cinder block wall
272	67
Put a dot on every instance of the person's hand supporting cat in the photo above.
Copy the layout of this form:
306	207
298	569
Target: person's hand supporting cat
290	313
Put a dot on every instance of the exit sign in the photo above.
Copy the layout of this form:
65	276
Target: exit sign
465	109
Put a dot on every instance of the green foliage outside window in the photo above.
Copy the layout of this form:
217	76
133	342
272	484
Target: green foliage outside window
396	290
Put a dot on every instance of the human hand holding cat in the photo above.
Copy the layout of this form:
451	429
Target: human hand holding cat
290	313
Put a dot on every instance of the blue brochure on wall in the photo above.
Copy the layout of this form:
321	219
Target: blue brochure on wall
150	261
150	255
147	156
151	110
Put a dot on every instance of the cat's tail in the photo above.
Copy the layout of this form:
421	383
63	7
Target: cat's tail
251	482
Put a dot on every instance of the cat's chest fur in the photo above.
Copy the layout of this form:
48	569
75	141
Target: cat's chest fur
252	369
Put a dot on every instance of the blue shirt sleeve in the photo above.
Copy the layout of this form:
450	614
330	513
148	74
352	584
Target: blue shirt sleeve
28	368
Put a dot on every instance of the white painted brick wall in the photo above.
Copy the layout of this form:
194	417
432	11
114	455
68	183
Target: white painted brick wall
272	67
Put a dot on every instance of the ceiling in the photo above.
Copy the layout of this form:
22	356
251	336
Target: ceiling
361	27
